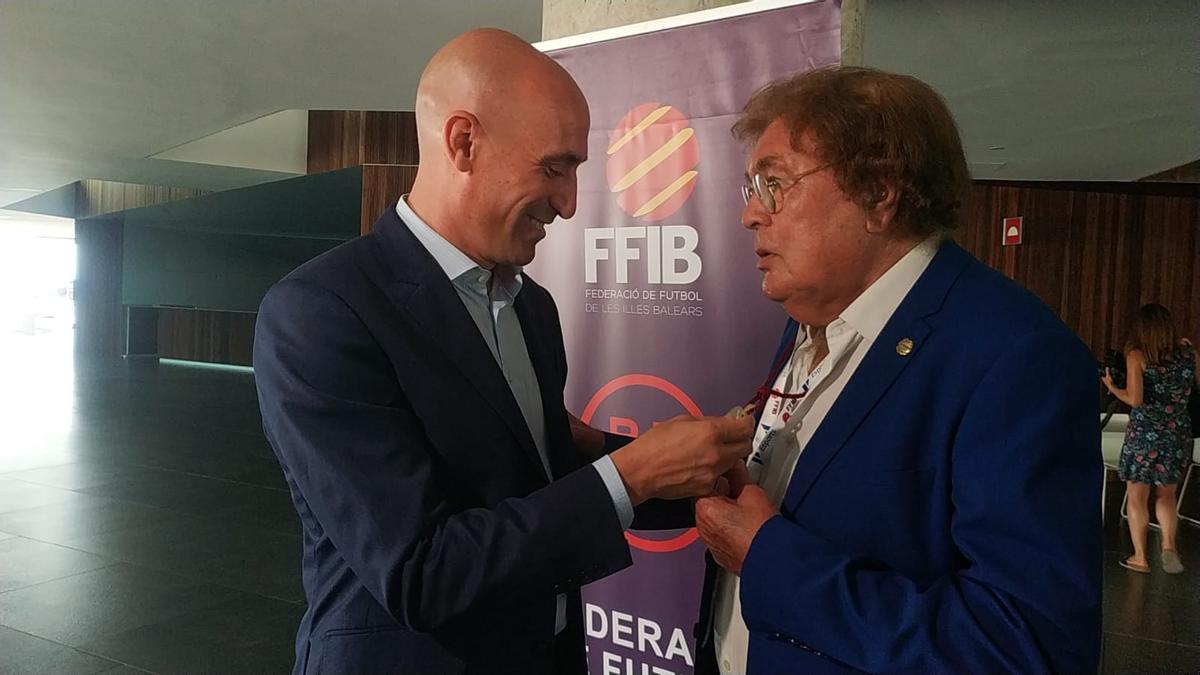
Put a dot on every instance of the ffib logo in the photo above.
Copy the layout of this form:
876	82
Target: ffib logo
651	161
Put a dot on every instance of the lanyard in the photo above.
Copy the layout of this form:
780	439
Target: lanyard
784	424
764	392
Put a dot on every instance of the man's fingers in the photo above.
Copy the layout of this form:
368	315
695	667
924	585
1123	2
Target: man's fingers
733	430
752	494
708	508
722	488
738	477
742	450
734	451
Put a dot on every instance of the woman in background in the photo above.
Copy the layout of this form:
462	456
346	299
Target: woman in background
1160	367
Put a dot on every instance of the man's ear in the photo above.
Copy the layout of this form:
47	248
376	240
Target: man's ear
881	207
460	140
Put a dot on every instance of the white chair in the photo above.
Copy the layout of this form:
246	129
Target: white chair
1112	434
1117	423
1110	453
1184	484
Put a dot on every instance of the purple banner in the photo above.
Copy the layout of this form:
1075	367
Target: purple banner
655	277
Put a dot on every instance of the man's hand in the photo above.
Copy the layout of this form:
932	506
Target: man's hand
731	482
589	442
728	526
683	457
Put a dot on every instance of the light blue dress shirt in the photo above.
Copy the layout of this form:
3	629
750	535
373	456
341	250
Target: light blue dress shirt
489	301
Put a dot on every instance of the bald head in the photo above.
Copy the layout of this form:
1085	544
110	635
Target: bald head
494	75
501	129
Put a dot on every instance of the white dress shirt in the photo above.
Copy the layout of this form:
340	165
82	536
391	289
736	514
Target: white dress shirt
787	426
489	301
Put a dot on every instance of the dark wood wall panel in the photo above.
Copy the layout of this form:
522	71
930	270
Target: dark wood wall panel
96	197
1196	289
206	335
338	139
1095	255
382	185
389	138
99	240
334	140
99	316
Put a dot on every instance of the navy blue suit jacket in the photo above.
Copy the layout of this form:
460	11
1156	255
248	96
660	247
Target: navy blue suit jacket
944	516
433	540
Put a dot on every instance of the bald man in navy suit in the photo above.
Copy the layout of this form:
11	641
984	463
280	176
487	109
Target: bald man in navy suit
411	384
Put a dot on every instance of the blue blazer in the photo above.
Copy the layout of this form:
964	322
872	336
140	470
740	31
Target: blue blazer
944	517
433	540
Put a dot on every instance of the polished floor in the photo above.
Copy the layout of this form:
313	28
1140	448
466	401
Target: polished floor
145	527
144	523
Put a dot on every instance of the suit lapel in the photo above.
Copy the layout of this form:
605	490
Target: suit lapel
787	343
880	367
435	310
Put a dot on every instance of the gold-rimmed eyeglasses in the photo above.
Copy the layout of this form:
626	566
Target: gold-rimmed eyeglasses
769	189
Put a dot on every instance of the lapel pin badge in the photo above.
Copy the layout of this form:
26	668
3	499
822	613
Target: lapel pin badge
904	347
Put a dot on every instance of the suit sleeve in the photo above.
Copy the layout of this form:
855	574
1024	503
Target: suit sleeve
654	514
1026	595
357	456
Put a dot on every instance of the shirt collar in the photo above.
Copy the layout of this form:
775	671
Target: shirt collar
871	310
457	265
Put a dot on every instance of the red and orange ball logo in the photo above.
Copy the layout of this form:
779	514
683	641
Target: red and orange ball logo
652	157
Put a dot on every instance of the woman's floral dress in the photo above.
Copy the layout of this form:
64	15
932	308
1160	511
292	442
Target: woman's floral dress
1158	440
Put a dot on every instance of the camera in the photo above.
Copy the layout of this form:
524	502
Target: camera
1114	361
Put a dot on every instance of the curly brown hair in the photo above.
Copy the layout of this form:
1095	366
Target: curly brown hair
876	129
